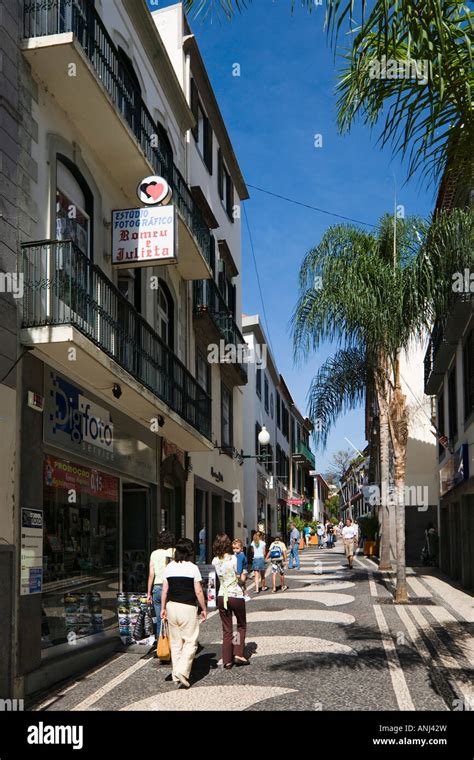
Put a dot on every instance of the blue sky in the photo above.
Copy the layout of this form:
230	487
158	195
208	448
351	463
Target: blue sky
284	96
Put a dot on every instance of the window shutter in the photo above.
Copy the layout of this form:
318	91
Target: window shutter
212	255
222	279
220	174
229	203
195	108
232	299
208	144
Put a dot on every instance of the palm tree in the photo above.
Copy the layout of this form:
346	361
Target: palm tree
379	293
427	110
340	385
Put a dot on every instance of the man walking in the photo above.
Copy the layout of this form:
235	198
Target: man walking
294	544
349	533
330	535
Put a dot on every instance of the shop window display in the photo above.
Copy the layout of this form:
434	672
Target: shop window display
81	550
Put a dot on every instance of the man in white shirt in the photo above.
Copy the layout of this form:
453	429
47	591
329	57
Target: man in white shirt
349	532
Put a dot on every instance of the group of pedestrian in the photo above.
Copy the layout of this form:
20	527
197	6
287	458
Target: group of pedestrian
175	589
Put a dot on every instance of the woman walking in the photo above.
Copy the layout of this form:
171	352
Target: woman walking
230	601
158	562
182	591
258	565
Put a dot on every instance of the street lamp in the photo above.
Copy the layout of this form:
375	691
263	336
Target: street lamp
264	437
264	440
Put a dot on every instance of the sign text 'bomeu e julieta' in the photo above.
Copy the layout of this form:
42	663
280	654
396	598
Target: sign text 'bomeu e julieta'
144	236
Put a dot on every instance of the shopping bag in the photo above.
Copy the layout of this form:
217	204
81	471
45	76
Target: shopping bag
148	623
139	628
163	649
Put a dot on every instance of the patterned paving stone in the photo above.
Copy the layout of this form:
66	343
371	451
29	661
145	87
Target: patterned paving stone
327	598
210	698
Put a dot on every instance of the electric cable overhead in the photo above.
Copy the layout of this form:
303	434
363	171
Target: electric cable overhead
308	205
258	279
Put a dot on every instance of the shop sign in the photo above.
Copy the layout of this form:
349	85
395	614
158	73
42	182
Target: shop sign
217	475
74	422
31	551
295	502
75	477
455	471
170	449
144	236
73	419
154	190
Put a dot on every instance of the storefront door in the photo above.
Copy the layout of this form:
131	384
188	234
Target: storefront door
136	536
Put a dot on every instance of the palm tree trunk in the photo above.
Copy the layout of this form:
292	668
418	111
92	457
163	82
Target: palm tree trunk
398	421
385	563
382	392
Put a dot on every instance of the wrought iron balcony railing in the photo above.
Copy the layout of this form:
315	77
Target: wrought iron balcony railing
208	299
62	286
303	450
47	17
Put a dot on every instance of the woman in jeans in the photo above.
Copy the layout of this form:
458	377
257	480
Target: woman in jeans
158	562
182	591
230	601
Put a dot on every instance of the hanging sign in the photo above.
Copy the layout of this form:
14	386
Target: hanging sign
143	236
154	191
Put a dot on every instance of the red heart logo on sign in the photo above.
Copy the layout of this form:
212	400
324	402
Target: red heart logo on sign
155	190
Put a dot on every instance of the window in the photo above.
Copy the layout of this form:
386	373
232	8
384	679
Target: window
468	364
203	372
225	186
80	550
165	314
259	383
269	461
285	421
72	207
202	131
226	417
278	411
441	422
272	404
257	431
453	404
129	91
265	379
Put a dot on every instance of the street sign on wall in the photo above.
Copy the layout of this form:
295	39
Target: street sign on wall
144	236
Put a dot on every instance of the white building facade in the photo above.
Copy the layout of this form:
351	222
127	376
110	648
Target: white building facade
125	422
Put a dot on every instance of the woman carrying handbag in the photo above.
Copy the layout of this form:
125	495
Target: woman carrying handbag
230	601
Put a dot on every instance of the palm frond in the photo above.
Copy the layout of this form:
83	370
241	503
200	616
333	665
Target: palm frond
338	387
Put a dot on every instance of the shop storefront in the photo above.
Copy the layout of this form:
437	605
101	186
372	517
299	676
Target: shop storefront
213	514
99	512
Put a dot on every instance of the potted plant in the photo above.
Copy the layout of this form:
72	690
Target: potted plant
369	527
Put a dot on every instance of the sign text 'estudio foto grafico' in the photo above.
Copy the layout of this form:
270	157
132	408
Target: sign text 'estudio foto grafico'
146	236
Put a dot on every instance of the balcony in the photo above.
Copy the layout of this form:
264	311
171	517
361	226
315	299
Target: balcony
214	323
70	50
446	334
69	303
304	456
